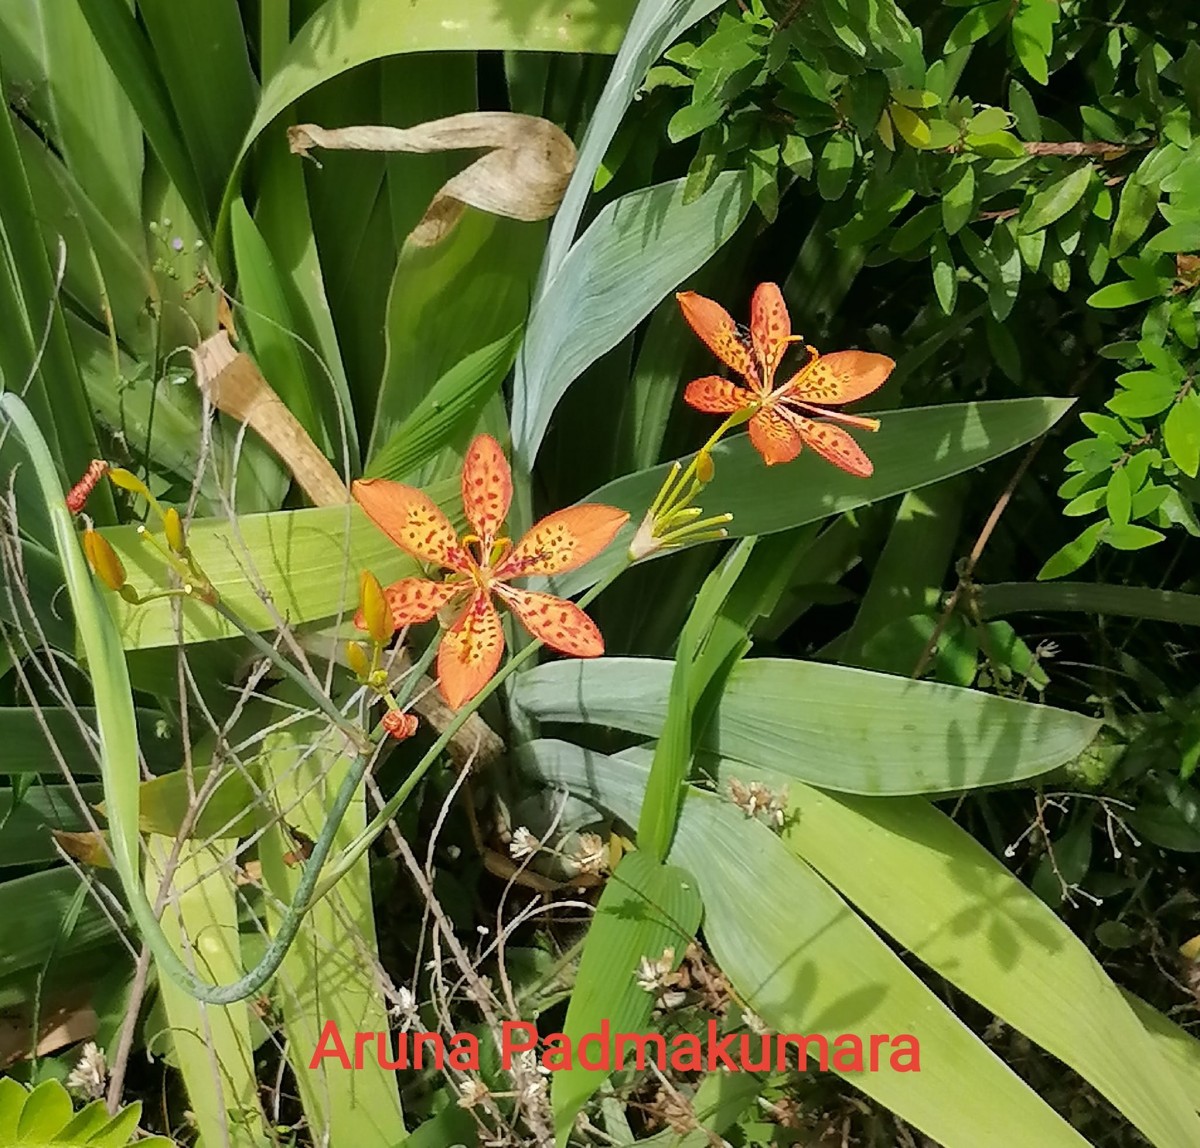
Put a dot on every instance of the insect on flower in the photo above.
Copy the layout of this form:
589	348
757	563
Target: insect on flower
784	419
77	496
481	564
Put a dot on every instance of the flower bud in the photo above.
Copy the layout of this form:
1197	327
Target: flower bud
103	560
376	613
356	659
399	724
173	528
126	480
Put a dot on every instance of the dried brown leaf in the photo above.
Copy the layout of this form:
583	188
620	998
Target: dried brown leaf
522	175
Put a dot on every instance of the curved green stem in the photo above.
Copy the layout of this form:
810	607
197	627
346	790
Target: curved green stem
119	745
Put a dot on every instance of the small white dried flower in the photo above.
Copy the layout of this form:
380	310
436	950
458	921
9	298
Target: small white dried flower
524	844
91	1073
472	1092
755	1023
756	798
591	855
654	976
405	1008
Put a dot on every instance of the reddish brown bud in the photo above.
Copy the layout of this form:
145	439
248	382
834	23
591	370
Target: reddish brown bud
399	724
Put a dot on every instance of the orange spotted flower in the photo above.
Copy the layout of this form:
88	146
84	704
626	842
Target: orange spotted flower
481	564
784	416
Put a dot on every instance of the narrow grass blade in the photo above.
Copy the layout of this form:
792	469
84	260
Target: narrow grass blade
645	909
132	61
1003	598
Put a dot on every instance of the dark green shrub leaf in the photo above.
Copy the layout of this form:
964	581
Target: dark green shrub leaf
1056	197
958	201
1074	554
1181	434
945	276
1132	537
834	166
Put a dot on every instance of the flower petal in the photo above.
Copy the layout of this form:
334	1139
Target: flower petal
470	651
716	396
840	377
563	541
770	328
560	624
835	445
486	488
411	519
415	600
718	330
774	437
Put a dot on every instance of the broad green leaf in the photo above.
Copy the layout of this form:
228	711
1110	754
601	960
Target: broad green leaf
912	128
1129	291
635	251
1146	393
1178	237
448	410
693	118
1181	434
1003	289
342	34
645	909
1056	196
1033	36
912	449
988	120
1176	1046
850	730
806	963
33	909
445	304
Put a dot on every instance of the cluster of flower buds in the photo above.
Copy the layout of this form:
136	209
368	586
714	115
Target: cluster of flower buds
376	618
107	565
